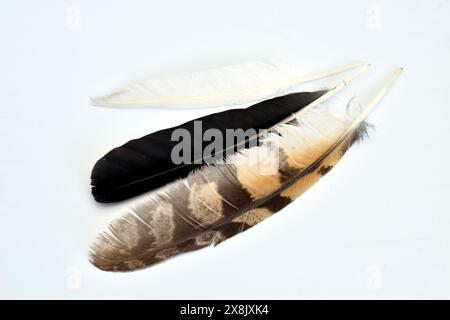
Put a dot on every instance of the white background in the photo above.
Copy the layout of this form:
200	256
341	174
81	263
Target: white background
376	227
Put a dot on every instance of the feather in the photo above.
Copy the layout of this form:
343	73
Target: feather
144	164
242	83
217	201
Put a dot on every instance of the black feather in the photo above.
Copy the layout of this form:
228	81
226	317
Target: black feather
145	164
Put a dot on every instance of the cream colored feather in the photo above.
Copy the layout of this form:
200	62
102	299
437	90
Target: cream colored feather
217	87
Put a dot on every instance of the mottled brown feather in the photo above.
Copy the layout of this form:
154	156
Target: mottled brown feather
219	201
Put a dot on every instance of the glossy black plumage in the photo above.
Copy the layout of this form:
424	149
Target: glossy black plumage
144	164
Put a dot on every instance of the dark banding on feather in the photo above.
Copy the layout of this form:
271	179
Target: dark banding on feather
324	170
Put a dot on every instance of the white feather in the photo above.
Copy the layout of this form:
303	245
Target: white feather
224	86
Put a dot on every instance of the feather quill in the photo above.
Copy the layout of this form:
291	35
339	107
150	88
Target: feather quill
238	84
218	201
